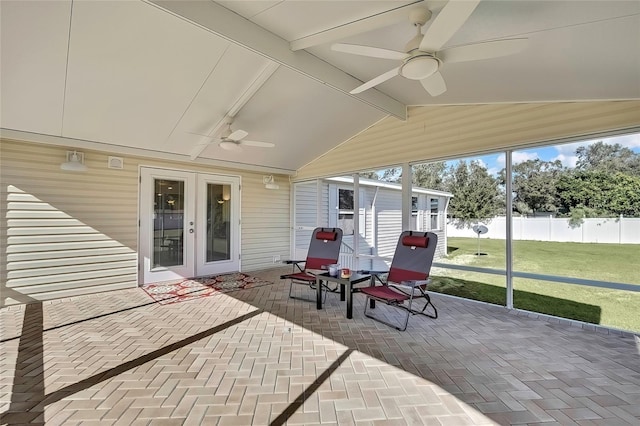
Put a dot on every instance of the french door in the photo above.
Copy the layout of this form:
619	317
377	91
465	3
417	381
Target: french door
189	224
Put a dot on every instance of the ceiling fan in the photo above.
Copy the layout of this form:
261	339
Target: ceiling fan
423	56
233	140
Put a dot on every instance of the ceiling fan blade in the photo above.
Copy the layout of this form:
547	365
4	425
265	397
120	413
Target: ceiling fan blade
237	135
486	50
452	16
229	145
259	144
374	82
434	84
372	52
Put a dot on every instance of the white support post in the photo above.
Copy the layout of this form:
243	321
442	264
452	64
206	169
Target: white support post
509	231
406	196
356	221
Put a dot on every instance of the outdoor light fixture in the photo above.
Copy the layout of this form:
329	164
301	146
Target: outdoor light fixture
75	162
269	182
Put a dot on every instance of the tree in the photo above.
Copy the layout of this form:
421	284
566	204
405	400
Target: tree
608	158
535	185
476	195
429	175
369	175
597	193
392	175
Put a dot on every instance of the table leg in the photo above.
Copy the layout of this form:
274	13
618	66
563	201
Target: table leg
318	293
372	283
349	301
342	292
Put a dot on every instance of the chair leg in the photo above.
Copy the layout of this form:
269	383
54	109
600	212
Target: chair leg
291	296
427	304
406	320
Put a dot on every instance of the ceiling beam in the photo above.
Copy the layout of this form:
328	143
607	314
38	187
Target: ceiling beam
231	26
369	23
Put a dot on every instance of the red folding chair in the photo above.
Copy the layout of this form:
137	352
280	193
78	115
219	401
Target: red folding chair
406	279
324	250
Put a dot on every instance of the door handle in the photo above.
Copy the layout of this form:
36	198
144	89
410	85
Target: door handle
191	230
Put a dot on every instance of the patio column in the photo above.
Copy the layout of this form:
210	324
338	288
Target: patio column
407	187
509	230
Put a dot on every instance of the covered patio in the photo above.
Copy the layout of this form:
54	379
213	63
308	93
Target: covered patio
132	132
257	357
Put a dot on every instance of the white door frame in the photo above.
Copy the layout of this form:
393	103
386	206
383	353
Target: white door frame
194	225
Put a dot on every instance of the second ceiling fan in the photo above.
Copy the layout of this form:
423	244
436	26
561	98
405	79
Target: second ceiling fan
423	56
234	140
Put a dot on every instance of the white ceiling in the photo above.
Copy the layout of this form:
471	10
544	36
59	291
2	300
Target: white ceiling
155	75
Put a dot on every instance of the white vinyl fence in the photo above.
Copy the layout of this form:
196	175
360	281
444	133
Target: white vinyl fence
620	230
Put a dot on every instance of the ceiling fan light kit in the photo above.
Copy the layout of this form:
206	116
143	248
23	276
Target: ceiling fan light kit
419	67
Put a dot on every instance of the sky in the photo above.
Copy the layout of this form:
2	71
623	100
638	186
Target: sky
565	152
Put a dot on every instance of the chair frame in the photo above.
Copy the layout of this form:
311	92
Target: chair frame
394	293
300	274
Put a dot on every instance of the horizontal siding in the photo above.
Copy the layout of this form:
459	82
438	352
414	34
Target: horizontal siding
435	132
266	225
65	234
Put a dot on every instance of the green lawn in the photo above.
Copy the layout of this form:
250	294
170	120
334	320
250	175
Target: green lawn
605	262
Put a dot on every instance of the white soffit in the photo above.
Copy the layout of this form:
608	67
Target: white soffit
145	76
310	17
502	19
243	32
235	70
33	99
325	116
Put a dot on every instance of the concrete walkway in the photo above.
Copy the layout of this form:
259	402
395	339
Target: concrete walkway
258	357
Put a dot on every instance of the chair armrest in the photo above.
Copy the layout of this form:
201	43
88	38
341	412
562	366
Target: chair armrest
289	262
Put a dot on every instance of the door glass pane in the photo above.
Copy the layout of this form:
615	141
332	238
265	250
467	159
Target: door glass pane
168	222
218	225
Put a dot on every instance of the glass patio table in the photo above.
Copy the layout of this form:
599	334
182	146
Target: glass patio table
346	288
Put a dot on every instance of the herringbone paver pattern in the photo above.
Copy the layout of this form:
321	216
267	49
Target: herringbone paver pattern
258	357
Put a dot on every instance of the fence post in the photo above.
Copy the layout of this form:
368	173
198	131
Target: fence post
620	229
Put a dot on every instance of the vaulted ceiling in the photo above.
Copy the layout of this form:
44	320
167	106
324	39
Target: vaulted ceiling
165	76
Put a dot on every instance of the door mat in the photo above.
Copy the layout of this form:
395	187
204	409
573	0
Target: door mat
195	288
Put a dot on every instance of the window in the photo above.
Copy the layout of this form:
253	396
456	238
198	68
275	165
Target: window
434	212
415	224
345	211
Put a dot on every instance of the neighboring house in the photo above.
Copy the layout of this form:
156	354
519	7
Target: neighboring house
379	218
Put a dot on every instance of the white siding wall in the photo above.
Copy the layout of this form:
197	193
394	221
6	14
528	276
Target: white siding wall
305	211
65	233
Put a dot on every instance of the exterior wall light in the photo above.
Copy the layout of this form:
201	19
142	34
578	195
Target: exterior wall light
269	182
75	162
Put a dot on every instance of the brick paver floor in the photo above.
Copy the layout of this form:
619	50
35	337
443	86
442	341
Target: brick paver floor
258	357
